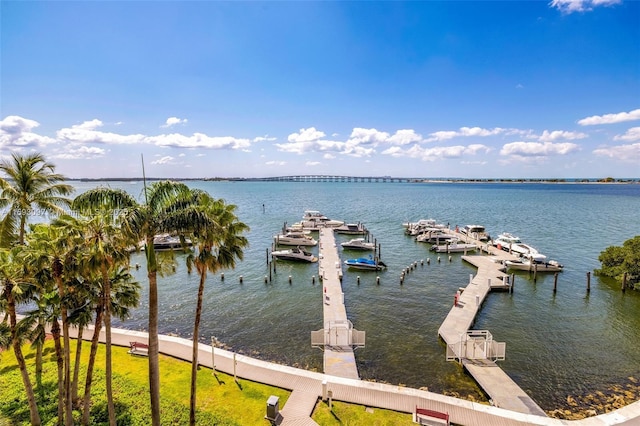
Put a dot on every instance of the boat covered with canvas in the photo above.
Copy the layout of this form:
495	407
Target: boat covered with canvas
365	264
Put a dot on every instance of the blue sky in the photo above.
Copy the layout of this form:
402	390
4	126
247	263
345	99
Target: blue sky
497	89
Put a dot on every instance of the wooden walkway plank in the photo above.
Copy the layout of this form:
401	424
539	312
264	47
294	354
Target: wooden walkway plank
502	390
339	360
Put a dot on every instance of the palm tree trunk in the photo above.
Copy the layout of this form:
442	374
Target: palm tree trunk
34	415
67	354
39	347
55	331
76	367
194	356
154	367
92	362
107	325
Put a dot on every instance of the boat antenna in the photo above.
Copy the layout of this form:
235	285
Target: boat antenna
144	180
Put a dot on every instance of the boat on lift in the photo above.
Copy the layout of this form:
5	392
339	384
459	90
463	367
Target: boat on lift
296	254
358	244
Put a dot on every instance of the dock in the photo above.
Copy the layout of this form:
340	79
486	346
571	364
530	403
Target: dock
464	344
338	334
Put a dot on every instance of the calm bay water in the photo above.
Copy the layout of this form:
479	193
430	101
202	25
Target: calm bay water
569	343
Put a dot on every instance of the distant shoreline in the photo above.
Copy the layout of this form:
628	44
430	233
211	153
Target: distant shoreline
381	179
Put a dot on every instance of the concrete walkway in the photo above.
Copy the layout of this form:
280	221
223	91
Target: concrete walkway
308	383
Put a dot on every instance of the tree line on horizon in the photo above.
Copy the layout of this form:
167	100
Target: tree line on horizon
74	272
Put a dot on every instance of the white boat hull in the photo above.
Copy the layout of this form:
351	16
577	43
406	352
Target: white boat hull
454	248
551	266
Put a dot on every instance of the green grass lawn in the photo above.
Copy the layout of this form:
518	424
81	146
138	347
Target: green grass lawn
345	414
221	401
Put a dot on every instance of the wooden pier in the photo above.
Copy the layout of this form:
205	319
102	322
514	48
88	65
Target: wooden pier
456	332
338	336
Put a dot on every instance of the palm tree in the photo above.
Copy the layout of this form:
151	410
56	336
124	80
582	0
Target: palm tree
52	253
15	289
218	244
105	249
162	211
31	182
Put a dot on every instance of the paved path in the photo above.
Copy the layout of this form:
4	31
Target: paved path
305	384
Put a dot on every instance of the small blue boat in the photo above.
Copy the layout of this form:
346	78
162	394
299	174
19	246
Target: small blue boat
365	264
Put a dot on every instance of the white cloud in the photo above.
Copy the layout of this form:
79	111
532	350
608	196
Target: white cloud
85	133
465	132
15	132
88	125
537	149
436	153
164	160
560	135
263	138
570	6
81	153
405	137
198	140
367	136
275	163
172	121
312	163
633	134
626	153
306	135
611	118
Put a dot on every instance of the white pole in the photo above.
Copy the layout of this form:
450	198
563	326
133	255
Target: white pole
213	354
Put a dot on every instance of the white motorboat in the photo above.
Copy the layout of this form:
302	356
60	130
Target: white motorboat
295	239
296	254
365	264
351	229
435	236
358	244
454	247
421	226
163	242
477	232
513	244
313	219
533	263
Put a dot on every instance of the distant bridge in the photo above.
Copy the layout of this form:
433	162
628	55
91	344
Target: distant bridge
329	178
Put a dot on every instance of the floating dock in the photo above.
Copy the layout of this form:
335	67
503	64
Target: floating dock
338	334
502	390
